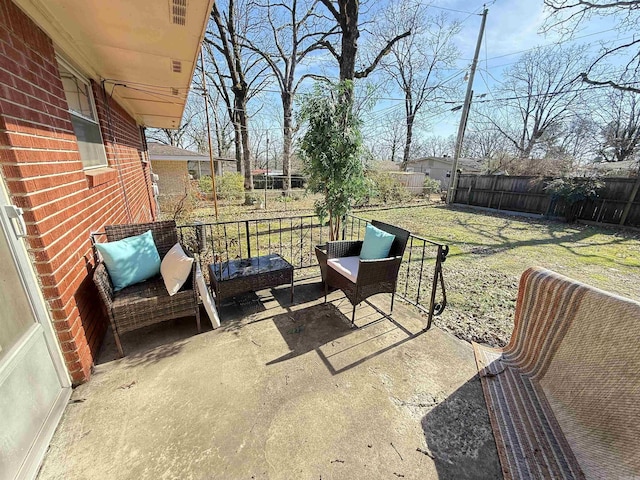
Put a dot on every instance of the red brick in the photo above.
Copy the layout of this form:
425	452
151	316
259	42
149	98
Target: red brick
44	175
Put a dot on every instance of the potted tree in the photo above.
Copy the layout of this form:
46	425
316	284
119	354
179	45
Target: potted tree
331	151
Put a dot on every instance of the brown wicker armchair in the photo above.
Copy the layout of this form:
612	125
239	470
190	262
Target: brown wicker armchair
146	303
369	276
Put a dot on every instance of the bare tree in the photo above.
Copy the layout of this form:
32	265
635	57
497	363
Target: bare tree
225	38
482	140
620	134
185	135
577	141
541	93
434	146
385	134
346	14
569	15
220	80
291	31
415	63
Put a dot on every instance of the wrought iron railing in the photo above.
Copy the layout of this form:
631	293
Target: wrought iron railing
295	238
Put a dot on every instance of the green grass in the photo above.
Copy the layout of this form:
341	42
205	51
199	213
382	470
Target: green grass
490	251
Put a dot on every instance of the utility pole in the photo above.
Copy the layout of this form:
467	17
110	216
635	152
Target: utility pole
451	194
266	175
211	162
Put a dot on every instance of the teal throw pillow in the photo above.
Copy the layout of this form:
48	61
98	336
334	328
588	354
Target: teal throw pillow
377	243
130	260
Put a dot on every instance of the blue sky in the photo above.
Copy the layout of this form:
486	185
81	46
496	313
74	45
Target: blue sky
513	26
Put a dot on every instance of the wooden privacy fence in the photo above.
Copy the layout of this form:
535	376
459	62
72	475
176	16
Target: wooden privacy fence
618	201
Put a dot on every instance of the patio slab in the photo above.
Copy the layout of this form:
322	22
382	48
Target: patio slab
281	392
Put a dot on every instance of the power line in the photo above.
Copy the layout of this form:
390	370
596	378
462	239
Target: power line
558	42
549	94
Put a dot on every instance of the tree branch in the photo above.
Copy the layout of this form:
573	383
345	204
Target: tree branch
364	73
585	78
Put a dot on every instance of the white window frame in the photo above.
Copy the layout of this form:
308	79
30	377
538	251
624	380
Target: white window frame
73	71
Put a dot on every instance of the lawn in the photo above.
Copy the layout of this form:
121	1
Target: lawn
489	251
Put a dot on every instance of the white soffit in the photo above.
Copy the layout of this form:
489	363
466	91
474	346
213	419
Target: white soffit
146	50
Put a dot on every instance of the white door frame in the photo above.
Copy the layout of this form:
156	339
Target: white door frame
32	289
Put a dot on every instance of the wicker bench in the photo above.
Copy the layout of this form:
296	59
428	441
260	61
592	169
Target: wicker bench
146	303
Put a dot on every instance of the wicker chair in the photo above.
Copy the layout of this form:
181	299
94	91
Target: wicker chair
371	276
146	303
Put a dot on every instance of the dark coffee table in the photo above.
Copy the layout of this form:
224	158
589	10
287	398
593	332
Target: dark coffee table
235	277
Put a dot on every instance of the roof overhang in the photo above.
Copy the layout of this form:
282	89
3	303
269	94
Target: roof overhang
145	51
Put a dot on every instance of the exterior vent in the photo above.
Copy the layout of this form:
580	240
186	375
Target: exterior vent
174	91
176	66
179	12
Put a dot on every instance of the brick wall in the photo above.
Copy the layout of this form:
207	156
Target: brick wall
41	167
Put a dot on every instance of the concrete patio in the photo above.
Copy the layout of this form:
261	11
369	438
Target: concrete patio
281	392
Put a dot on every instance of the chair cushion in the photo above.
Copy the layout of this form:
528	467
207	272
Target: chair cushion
376	244
130	260
346	266
175	268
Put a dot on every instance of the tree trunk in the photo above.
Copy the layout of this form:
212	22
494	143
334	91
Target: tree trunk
286	142
237	143
407	143
246	151
350	35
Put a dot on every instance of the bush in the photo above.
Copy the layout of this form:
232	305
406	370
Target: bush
430	185
181	206
573	191
205	184
230	186
387	188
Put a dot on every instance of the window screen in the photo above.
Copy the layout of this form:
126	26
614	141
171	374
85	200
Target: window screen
83	117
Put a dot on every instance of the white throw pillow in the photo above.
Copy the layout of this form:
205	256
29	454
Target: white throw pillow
175	268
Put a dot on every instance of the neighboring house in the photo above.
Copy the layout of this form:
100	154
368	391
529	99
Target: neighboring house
439	168
626	168
78	81
174	166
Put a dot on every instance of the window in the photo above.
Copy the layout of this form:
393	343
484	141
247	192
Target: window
77	90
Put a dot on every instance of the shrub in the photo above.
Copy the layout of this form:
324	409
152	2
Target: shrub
230	186
387	188
573	191
430	185
205	184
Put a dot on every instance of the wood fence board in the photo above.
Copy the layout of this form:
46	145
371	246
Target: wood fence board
527	194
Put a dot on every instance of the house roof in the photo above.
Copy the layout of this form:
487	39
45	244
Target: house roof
471	164
160	151
385	166
625	165
143	51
